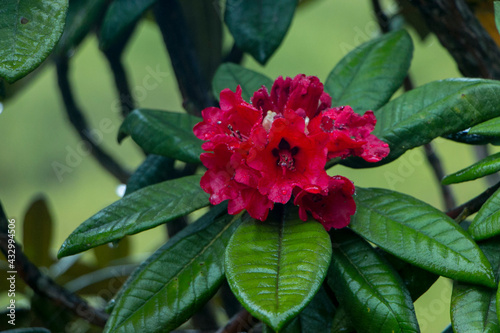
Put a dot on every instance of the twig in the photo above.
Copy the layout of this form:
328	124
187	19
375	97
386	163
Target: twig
473	205
44	286
435	162
113	55
432	157
80	124
382	19
235	55
242	321
193	86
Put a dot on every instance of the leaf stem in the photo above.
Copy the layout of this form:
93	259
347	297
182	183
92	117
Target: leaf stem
113	55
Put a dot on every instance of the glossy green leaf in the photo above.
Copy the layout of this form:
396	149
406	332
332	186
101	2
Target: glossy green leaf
163	133
419	234
490	127
274	268
372	293
259	26
473	308
368	76
432	110
179	278
37	233
82	17
120	17
153	170
316	316
231	75
29	30
486	223
487	166
139	211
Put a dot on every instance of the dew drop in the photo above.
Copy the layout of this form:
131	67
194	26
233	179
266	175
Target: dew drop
120	190
219	122
283	192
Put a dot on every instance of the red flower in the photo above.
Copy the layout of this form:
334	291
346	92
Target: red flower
289	158
333	208
350	134
278	146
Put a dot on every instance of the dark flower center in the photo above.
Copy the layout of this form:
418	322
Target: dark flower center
284	154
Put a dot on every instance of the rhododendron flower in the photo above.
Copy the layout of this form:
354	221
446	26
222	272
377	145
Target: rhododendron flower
277	146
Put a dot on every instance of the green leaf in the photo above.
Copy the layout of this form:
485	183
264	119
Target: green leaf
153	170
139	211
368	76
316	316
432	110
37	233
490	127
487	166
372	293
274	268
497	14
83	15
180	277
163	133
419	234
28	31
416	279
259	26
230	75
486	223
473	307
120	17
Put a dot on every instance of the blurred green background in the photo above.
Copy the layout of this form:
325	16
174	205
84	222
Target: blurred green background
35	134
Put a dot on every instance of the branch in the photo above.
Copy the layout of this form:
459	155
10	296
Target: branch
432	157
473	205
44	286
79	122
242	321
193	86
382	19
458	30
435	162
113	54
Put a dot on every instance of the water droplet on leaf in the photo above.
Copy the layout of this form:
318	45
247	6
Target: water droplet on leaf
120	190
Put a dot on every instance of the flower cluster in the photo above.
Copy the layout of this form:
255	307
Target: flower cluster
277	146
